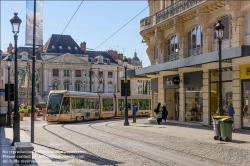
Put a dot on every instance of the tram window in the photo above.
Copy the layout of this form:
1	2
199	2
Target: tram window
143	104
96	104
73	103
65	105
54	103
80	103
91	103
129	104
135	102
107	104
121	104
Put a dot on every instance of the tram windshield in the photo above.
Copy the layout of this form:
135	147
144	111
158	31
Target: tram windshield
54	103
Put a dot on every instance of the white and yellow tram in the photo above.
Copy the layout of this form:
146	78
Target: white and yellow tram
67	106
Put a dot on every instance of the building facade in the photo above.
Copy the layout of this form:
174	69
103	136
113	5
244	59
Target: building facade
182	46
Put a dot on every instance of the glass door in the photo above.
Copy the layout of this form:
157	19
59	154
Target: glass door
245	101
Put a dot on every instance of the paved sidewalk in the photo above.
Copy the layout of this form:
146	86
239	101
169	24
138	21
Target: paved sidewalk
240	138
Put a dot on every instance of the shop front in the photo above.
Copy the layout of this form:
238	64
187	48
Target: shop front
171	95
227	90
193	96
245	91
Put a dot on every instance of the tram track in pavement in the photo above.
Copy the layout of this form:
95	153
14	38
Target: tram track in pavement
117	146
155	145
93	156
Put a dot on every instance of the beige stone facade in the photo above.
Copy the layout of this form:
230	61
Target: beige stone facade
182	33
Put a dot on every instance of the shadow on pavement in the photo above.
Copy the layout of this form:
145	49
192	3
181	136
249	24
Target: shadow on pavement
78	156
239	141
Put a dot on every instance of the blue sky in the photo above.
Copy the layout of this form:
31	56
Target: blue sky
94	22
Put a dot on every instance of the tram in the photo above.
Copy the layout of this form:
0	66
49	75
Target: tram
69	106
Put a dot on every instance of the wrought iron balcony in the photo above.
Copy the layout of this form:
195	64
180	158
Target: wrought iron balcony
195	51
173	57
176	8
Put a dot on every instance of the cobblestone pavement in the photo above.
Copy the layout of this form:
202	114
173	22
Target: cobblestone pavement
108	142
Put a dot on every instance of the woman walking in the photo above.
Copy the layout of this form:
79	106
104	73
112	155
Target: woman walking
164	112
159	113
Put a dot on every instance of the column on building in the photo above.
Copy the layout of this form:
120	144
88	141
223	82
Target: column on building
206	101
237	97
73	80
182	99
160	90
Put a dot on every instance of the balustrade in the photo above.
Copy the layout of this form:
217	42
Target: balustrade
195	51
173	57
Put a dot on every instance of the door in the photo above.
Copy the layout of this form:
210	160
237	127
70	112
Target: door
169	100
245	101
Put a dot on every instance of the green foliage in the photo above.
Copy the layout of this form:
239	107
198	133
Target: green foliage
22	110
29	109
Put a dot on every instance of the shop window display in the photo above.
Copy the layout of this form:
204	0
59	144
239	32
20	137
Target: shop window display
194	104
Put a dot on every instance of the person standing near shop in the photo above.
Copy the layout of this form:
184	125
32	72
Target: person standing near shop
44	112
230	112
164	112
134	113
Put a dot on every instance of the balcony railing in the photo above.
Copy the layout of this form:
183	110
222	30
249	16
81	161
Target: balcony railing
176	8
147	22
195	51
173	57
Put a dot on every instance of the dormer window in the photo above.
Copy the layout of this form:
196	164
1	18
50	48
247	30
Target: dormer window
53	47
69	48
25	56
99	59
60	47
75	48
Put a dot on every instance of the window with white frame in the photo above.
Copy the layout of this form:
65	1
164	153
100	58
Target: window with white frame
173	48
55	85
110	74
66	85
66	72
195	41
78	85
110	87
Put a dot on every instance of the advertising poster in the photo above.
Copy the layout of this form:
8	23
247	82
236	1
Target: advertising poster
3	103
30	21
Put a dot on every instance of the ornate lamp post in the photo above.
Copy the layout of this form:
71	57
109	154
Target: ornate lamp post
125	62
16	21
219	28
9	111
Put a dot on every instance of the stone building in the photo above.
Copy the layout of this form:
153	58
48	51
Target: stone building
182	45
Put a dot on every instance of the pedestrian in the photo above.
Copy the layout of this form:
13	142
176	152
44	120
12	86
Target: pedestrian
159	113
230	112
44	112
134	113
164	112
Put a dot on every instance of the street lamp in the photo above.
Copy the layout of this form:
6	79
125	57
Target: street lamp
16	21
125	62
9	111
219	28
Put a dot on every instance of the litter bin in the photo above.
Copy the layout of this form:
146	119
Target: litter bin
226	129
216	125
2	119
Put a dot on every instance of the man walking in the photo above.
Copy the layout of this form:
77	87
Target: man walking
134	114
44	112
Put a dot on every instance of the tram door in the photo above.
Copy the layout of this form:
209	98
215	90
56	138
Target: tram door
120	107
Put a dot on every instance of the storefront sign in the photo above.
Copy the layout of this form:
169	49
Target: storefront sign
171	82
245	71
176	80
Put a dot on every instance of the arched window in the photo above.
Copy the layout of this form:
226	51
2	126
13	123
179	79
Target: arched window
110	87
195	41
66	85
173	49
78	85
55	85
224	21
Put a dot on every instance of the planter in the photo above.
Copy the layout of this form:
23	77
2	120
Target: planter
35	115
21	116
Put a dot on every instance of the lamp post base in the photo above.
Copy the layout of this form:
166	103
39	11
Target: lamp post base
126	124
16	129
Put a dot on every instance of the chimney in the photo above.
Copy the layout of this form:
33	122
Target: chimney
10	48
83	46
120	56
129	61
115	55
111	52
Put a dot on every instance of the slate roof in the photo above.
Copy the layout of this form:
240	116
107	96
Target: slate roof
26	49
64	41
93	54
135	58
